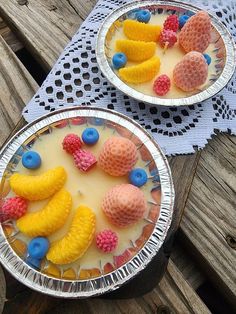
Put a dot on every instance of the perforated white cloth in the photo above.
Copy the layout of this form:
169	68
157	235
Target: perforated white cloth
76	79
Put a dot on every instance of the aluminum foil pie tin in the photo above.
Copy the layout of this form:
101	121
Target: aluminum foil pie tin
103	283
221	38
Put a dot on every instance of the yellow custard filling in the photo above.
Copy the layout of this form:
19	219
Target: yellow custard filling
168	60
86	189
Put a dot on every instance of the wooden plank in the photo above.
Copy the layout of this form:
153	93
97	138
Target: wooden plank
173	292
181	298
45	26
10	38
17	87
187	266
183	170
210	213
13	286
2	290
82	8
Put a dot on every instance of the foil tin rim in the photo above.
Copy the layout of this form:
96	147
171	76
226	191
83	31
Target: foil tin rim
209	92
112	281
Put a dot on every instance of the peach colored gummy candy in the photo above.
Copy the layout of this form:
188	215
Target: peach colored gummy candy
124	205
118	156
196	33
191	71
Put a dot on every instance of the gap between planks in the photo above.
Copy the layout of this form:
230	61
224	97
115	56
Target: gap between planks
9	36
17	88
210	213
173	292
2	290
45	27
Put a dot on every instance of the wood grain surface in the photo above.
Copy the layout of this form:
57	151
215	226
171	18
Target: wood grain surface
209	217
17	87
174	295
188	267
45	27
9	36
2	290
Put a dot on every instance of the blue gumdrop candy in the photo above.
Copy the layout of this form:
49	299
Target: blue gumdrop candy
207	58
155	174
182	20
90	136
31	160
143	16
98	121
132	14
138	177
119	60
33	262
38	247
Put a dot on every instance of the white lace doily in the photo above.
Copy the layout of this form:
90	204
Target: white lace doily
76	79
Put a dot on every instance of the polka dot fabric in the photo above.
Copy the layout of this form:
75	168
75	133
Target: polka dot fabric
76	80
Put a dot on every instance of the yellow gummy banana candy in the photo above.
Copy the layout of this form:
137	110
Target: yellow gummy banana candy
77	240
140	31
49	219
142	72
35	188
136	50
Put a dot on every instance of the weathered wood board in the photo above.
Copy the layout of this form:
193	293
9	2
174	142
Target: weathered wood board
2	290
173	294
17	87
187	266
45	27
9	36
209	217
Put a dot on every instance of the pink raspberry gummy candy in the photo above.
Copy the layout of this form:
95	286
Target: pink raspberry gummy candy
191	71
84	160
161	86
71	143
13	208
124	205
118	156
167	38
107	241
172	23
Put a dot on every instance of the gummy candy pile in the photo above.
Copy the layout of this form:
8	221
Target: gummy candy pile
123	205
145	46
